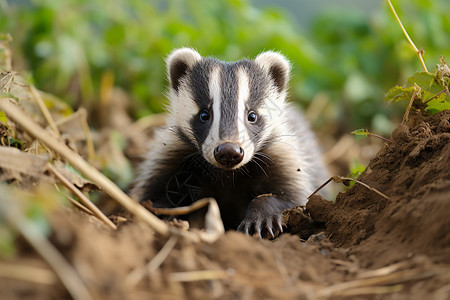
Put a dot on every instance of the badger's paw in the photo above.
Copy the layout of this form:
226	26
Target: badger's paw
263	217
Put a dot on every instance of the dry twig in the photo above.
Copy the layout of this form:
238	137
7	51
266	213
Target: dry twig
44	110
201	275
376	284
341	179
80	206
27	273
94	209
18	116
81	114
416	93
137	274
213	222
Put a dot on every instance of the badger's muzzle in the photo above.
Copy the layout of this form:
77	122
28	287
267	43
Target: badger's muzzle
228	155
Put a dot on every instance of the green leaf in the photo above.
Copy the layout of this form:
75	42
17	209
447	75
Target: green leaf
440	103
422	79
360	133
398	93
356	168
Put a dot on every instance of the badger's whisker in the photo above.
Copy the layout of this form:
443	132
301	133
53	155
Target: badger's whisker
261	167
261	160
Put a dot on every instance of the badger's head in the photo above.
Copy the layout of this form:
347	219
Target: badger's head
227	110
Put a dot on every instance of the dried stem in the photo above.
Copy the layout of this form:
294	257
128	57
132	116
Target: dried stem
380	137
137	274
418	52
183	210
87	132
44	110
345	288
342	179
27	273
81	114
83	199
339	179
200	275
415	94
320	187
80	206
18	116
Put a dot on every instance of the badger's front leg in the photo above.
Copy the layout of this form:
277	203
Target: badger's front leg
263	216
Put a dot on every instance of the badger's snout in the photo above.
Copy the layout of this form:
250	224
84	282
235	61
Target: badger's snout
228	155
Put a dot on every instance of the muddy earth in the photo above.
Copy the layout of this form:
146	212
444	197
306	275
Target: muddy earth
362	246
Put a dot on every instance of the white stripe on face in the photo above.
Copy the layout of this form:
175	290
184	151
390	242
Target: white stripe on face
212	140
244	138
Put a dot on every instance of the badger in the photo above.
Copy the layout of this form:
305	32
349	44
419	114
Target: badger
232	135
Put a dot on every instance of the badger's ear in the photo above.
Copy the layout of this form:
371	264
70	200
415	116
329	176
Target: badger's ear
277	66
179	62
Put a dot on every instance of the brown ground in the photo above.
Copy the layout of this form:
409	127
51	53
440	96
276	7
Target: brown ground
330	252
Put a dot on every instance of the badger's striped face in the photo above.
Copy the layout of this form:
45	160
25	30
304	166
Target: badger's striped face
228	111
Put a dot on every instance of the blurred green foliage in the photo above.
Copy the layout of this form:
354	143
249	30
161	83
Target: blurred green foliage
350	59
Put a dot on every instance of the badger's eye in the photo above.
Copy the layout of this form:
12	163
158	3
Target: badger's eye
252	117
204	116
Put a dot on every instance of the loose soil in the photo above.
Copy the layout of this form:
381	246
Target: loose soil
362	246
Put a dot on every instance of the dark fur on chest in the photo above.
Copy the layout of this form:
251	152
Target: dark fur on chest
185	177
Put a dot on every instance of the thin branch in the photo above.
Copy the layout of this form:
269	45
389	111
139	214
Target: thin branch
418	52
80	206
320	187
201	275
384	270
18	116
27	273
137	274
81	115
370	290
416	93
44	110
389	279
87	132
339	179
380	137
182	210
342	179
437	95
83	199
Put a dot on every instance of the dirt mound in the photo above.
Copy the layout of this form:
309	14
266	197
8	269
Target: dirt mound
414	171
363	245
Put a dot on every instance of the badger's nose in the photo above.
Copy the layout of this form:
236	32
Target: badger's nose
228	154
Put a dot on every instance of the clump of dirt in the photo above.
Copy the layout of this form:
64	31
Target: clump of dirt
330	253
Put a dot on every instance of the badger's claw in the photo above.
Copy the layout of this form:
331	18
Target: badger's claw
262	228
263	217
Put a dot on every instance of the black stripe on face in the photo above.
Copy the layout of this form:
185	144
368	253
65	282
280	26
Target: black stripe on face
229	97
199	80
259	85
199	85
